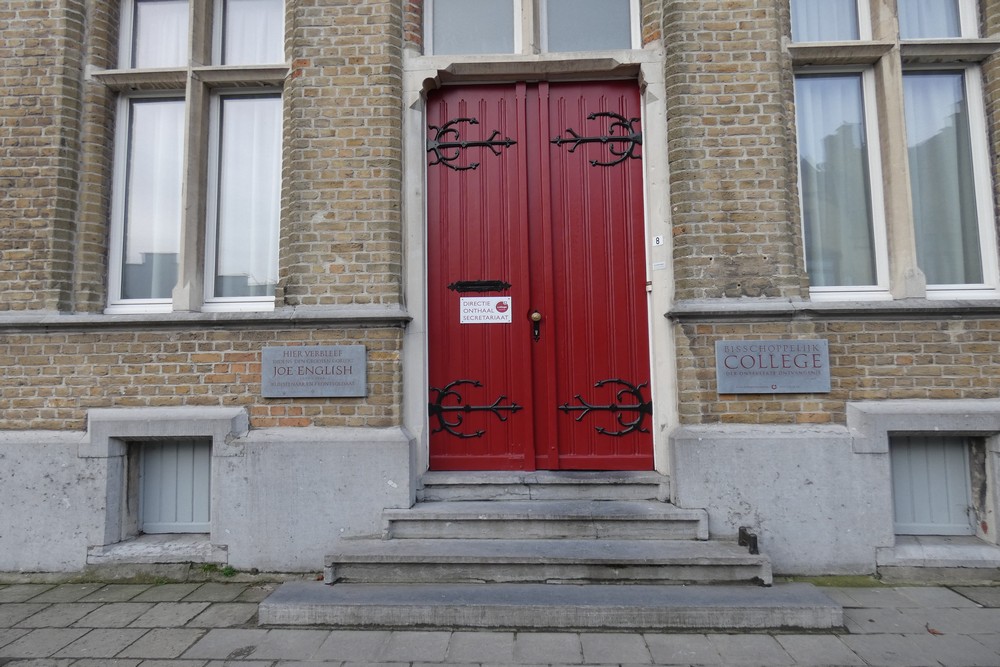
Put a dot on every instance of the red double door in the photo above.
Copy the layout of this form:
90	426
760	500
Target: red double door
538	328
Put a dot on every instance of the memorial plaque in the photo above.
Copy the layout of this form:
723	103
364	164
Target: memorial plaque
772	366
313	371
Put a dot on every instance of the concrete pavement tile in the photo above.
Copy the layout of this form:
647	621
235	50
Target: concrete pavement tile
970	621
162	643
41	643
215	592
104	662
59	615
889	651
935	597
990	641
239	663
877	597
169	614
614	647
750	650
481	647
100	643
289	644
548	647
226	643
114	615
956	650
376	664
352	645
67	593
311	663
415	646
22	592
173	663
988	596
7	636
39	662
15	612
881	621
818	650
165	593
256	593
682	650
115	593
840	595
224	615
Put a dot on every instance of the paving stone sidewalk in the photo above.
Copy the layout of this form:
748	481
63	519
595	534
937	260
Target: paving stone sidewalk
215	625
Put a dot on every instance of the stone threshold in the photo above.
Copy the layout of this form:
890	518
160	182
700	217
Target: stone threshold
159	549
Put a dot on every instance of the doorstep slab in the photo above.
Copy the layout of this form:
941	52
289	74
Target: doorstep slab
547	606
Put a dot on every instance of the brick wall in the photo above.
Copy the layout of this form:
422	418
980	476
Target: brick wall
40	101
51	380
729	146
881	359
341	235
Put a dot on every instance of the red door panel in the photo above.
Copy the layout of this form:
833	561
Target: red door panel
561	223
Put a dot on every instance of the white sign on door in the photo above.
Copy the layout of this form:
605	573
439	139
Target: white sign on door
484	310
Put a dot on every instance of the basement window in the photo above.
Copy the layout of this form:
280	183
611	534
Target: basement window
932	484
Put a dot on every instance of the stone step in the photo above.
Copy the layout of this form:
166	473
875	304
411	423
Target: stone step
551	607
544	485
544	561
546	519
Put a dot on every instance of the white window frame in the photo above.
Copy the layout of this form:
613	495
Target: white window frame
530	18
116	245
968	21
212	303
864	24
218	27
983	183
127	36
880	290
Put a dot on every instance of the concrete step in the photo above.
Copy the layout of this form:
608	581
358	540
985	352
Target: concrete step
546	519
550	607
544	485
544	561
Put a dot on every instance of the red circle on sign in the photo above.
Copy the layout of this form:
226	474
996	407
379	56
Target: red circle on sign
502	306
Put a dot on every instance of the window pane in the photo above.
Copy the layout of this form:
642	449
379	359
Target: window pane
160	33
923	19
588	25
249	191
473	26
153	199
253	32
942	178
824	20
835	181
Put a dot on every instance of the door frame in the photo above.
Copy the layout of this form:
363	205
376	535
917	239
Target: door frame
425	73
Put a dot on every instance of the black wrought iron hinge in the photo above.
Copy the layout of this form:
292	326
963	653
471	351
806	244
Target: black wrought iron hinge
641	408
447	144
623	145
438	410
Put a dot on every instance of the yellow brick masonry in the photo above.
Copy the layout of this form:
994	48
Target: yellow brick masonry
51	380
732	181
41	56
882	359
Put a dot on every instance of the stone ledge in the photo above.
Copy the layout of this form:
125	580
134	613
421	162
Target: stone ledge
363	316
736	310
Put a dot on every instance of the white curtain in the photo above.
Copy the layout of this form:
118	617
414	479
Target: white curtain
925	19
588	25
824	20
253	32
160	33
249	196
472	26
835	180
942	178
153	198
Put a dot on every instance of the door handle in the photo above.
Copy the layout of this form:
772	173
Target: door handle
536	324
